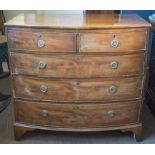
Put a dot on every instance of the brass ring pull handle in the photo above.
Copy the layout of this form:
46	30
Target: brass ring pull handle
112	89
41	43
43	88
44	113
114	65
42	64
114	43
110	114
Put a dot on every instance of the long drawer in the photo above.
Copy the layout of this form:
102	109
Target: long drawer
42	41
106	89
77	66
77	115
123	41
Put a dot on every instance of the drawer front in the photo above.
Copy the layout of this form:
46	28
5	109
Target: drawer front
78	90
77	115
77	66
39	42
113	42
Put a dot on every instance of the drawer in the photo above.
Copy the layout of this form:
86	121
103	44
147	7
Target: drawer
106	89
123	41
42	41
77	115
77	66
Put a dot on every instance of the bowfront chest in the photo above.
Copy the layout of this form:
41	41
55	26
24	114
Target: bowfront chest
77	72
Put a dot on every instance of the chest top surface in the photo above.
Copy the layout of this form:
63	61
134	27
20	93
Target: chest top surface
77	21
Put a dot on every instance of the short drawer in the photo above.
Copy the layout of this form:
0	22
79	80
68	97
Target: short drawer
42	41
77	115
65	90
77	66
123	41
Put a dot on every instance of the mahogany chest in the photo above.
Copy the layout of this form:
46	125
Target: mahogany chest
77	72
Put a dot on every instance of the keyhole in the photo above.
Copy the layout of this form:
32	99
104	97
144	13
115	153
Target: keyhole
39	35
77	83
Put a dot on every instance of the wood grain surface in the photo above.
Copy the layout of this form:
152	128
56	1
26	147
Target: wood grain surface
54	42
78	90
73	115
77	21
77	66
127	41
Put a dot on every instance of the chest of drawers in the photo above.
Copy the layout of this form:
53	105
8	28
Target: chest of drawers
78	73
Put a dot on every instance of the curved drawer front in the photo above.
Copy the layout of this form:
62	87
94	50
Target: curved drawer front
77	66
123	41
42	41
77	115
78	90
